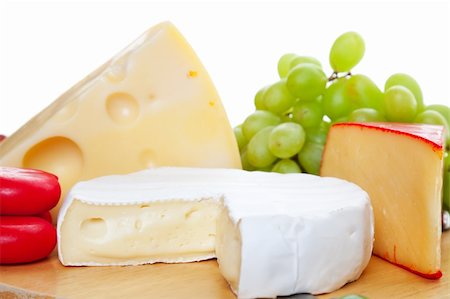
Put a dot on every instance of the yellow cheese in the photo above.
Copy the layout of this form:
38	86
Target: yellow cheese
152	104
400	166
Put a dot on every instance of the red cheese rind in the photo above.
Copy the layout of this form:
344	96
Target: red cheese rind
27	191
435	275
25	239
427	133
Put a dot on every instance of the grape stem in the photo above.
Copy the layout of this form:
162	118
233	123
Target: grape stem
335	75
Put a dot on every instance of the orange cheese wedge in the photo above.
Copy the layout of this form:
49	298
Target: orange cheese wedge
400	167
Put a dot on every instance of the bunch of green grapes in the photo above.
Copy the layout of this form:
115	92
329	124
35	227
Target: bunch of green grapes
288	130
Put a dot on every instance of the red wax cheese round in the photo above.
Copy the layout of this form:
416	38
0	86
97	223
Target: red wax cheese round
27	191
47	216
25	239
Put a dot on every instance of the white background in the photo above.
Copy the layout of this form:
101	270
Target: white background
47	46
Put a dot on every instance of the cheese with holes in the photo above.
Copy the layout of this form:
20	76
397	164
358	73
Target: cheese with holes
400	166
273	234
152	104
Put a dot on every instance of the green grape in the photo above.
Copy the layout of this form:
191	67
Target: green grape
433	118
309	114
319	99
446	182
284	64
258	120
446	159
400	105
286	118
366	115
244	160
310	157
277	98
408	82
259	99
364	93
286	166
346	52
445	112
304	59
442	109
266	168
286	140
240	138
336	103
258	153
342	119
306	81
318	134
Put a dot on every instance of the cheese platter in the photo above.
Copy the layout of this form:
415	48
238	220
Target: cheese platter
284	201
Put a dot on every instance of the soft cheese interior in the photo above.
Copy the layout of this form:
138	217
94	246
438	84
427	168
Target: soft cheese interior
272	234
175	231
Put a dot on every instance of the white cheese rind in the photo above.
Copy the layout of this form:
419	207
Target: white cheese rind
306	254
292	233
313	239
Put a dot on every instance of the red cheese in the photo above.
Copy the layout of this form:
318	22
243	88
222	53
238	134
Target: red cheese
25	239
27	191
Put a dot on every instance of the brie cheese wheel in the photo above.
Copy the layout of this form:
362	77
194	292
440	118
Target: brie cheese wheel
273	234
153	104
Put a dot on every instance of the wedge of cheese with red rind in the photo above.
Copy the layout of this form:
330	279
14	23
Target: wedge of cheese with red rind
153	104
400	166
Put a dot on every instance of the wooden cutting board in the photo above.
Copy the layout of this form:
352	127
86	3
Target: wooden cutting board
49	279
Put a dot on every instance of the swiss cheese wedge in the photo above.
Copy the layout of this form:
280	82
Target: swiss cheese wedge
400	166
152	104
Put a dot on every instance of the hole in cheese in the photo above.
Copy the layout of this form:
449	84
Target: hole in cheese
58	155
191	214
67	112
118	69
93	228
122	108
